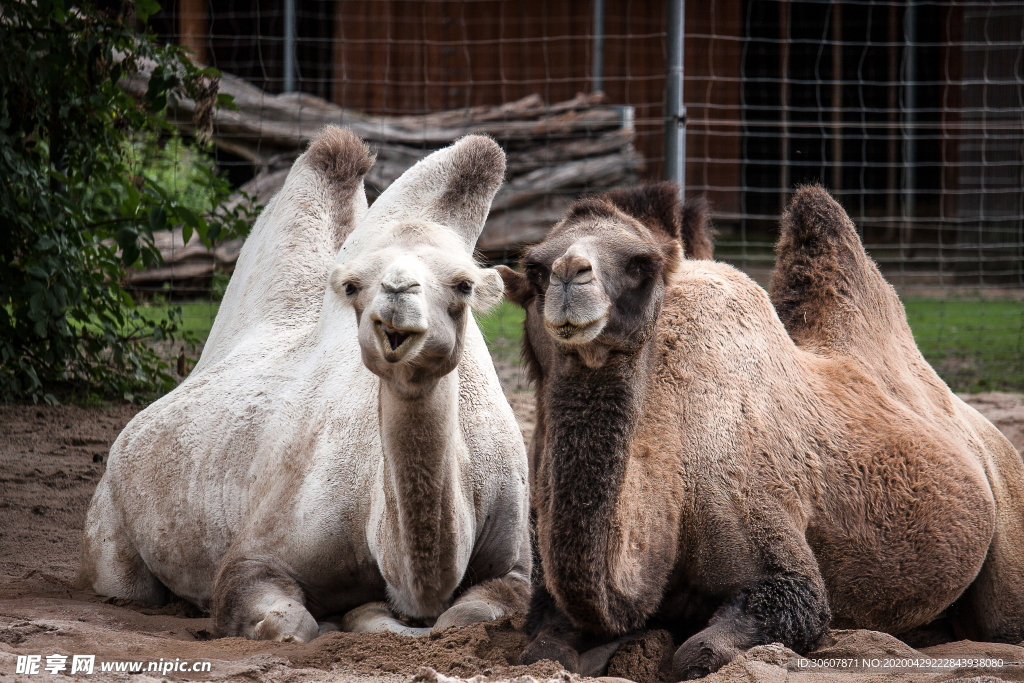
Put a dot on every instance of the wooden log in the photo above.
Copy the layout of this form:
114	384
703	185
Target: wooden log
554	153
574	176
291	120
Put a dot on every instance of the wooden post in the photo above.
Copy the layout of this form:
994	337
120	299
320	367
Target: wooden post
194	27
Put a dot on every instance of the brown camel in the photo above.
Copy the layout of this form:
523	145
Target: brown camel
707	467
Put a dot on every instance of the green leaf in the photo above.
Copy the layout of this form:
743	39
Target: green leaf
128	240
157	218
145	8
227	101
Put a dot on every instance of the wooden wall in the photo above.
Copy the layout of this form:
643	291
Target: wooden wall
417	56
400	57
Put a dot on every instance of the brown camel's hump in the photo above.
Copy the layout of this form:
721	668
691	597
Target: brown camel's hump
831	297
657	206
824	283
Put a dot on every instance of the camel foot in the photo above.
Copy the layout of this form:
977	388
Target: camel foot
376	617
711	649
594	662
327	627
548	647
466	613
287	621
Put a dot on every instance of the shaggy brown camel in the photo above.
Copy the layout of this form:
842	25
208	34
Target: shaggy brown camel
705	466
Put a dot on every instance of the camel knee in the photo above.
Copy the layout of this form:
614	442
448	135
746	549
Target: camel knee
253	600
287	621
486	601
790	609
466	613
785	608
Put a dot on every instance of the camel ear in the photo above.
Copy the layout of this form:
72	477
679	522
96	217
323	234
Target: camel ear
453	186
517	286
655	205
487	293
696	232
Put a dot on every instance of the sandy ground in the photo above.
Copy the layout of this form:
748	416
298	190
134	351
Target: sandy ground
51	459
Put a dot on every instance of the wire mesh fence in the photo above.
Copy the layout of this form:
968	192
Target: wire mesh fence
911	112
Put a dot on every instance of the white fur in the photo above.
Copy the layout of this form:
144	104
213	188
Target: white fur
271	449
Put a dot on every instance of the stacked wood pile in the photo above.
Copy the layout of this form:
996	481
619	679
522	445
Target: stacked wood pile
555	152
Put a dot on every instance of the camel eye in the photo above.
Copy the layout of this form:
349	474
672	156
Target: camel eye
465	287
641	266
350	289
536	274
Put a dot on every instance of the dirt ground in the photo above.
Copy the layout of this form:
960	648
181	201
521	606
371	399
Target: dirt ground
50	461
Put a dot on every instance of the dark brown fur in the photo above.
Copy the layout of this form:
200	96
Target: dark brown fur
340	155
658	207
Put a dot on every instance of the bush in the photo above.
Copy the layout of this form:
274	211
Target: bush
82	191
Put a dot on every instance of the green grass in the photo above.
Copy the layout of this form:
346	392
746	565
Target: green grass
196	316
974	345
501	325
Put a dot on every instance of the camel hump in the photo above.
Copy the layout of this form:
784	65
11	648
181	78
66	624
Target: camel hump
339	156
825	288
657	206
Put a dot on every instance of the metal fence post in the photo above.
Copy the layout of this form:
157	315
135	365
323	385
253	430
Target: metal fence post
289	45
598	72
910	118
675	111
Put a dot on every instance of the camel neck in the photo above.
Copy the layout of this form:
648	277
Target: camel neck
591	418
421	440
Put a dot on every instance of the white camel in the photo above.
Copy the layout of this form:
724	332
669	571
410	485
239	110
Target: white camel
289	480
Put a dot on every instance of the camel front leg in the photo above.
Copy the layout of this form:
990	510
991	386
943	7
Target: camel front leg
552	635
489	600
786	603
376	617
254	600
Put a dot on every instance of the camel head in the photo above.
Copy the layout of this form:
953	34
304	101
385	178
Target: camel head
408	268
596	284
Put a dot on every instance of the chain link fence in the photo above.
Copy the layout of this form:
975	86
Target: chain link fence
911	112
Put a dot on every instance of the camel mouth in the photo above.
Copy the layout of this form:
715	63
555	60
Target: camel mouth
395	337
572	332
396	341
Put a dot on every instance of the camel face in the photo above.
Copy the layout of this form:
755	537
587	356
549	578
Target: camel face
412	300
599	279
